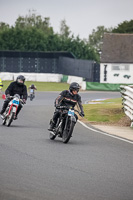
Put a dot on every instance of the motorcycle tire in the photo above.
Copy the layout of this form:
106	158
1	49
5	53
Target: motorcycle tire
9	119
4	121
5	113
68	132
31	97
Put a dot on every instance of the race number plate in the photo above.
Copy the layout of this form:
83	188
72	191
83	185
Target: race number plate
15	102
70	112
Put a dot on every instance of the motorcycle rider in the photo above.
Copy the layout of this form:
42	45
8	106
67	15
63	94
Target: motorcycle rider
16	87
33	87
67	98
1	85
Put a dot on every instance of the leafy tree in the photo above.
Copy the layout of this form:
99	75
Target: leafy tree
95	38
124	27
30	39
34	33
33	20
64	29
3	26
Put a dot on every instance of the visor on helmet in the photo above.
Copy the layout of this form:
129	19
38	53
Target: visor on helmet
20	81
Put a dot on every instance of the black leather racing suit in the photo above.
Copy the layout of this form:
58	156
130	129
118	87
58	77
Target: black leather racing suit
66	98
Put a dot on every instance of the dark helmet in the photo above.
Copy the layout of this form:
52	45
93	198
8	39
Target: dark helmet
20	79
74	86
32	85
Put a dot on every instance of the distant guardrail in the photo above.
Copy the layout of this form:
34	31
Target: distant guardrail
127	100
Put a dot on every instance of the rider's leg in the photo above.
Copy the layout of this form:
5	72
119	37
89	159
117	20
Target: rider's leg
5	104
53	121
18	110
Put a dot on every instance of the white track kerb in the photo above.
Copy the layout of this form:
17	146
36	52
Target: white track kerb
107	134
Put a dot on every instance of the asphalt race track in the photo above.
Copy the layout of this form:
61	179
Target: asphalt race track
91	166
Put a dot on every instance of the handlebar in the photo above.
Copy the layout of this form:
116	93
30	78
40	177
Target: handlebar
79	113
67	108
21	100
62	107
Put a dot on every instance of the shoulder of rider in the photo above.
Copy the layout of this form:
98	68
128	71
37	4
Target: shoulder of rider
9	88
63	93
78	97
25	87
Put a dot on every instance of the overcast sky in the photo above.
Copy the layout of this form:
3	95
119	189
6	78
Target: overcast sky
82	16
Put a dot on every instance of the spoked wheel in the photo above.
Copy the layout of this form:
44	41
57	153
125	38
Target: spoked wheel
5	116
4	121
31	97
9	119
68	132
52	135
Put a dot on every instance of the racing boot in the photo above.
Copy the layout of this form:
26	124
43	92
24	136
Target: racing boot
2	114
52	125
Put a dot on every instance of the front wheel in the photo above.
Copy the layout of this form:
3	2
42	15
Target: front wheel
10	118
31	97
4	121
68	132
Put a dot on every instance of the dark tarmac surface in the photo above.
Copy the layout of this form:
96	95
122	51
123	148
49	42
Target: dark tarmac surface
91	166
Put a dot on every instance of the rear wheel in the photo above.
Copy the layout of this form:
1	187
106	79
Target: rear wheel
68	132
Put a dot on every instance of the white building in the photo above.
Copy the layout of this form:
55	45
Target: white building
116	63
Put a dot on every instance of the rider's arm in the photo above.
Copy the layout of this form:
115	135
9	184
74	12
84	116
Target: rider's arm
25	93
59	99
79	102
9	89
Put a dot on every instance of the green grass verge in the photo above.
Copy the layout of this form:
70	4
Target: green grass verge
107	111
42	86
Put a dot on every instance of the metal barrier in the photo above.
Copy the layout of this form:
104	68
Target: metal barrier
127	100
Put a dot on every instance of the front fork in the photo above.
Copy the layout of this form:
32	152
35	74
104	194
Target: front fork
72	118
66	123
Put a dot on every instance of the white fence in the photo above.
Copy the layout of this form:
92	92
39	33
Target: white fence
127	99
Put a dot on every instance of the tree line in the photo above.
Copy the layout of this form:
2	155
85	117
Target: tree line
34	33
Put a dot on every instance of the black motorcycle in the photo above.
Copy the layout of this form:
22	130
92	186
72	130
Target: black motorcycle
65	124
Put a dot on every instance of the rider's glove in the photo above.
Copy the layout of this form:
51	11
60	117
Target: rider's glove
57	106
8	96
82	114
24	101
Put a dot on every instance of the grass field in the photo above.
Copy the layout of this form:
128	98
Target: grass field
42	86
108	111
